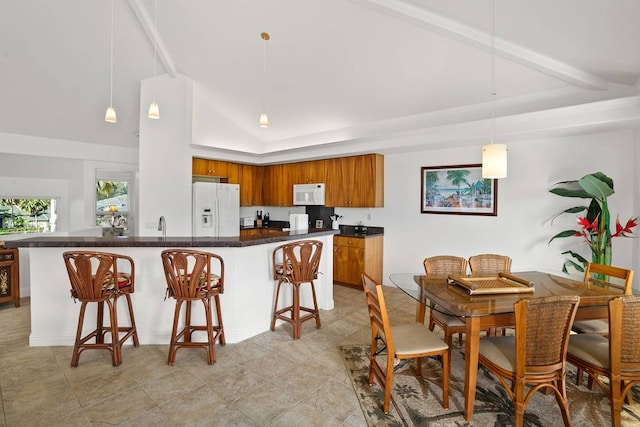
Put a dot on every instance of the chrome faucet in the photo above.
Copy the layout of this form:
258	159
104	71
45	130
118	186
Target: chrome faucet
162	226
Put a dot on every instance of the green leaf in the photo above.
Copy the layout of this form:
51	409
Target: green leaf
566	233
567	192
577	256
572	210
598	185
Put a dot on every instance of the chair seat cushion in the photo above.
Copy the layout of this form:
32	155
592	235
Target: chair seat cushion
214	279
415	338
595	326
124	280
500	350
445	319
282	272
592	348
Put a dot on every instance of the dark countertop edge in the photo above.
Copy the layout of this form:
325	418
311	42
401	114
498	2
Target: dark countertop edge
183	242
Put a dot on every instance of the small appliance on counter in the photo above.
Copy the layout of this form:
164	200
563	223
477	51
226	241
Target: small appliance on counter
246	221
298	222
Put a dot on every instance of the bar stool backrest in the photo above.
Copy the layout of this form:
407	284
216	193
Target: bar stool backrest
189	273
92	274
300	261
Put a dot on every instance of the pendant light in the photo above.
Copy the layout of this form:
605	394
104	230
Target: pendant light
110	115
154	110
494	156
264	120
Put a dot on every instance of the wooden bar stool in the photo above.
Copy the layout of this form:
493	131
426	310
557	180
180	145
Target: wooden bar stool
96	277
190	278
296	263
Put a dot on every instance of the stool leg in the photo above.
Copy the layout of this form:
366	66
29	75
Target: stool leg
275	306
171	360
211	352
76	347
221	337
187	322
116	347
136	342
100	324
315	306
295	311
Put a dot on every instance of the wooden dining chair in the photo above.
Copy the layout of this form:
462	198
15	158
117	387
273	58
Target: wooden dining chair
616	279
409	341
443	265
489	264
536	354
616	357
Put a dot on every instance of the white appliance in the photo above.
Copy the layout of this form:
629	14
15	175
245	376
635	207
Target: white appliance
308	194
216	209
298	222
246	221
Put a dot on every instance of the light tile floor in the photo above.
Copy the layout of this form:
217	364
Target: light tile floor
268	380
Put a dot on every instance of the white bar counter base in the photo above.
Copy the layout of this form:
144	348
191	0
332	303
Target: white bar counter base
247	302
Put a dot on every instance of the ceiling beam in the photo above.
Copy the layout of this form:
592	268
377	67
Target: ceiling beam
147	24
505	49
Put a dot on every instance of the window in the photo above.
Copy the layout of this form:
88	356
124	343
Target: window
27	216
112	204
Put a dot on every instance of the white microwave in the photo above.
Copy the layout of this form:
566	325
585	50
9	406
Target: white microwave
308	194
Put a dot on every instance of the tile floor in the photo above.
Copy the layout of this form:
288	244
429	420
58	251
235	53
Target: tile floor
268	380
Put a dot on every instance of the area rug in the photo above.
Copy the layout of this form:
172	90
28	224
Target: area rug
418	401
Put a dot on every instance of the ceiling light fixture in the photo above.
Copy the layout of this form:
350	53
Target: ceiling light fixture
494	156
110	115
264	120
154	110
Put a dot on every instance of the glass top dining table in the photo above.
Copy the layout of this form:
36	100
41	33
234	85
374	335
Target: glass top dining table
485	311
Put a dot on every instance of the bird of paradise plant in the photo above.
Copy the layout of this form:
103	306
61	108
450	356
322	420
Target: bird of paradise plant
595	225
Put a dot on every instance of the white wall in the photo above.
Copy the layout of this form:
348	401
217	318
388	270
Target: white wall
522	228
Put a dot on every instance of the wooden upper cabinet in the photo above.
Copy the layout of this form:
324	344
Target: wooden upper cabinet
356	181
226	171
251	185
309	172
279	185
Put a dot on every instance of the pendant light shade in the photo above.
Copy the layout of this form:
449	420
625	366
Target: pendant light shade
154	110
494	161
264	120
494	156
110	114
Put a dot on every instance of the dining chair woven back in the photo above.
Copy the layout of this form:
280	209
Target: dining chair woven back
537	353
618	280
408	341
443	265
616	357
489	264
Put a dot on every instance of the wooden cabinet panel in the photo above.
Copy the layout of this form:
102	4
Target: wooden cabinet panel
356	181
279	186
308	172
251	185
354	256
227	171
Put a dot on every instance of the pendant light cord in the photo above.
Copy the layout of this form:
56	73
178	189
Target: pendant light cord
111	72
493	73
155	44
264	74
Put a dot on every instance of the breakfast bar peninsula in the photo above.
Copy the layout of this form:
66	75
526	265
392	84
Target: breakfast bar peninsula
247	302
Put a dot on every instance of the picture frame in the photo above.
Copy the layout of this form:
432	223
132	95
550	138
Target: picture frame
457	190
319	223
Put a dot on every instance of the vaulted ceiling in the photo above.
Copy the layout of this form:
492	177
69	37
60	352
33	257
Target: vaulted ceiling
337	70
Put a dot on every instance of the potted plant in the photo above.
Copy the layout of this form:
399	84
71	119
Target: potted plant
595	225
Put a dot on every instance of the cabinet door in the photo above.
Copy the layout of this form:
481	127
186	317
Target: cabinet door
227	171
279	187
367	187
246	185
341	264
309	172
339	175
199	166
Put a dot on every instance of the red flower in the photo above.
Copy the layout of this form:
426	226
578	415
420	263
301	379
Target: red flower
626	230
586	225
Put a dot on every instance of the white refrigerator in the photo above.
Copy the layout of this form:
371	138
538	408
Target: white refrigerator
216	209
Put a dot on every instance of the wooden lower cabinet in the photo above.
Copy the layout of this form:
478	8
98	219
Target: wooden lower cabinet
353	256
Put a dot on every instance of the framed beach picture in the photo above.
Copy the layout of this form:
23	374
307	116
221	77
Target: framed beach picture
458	190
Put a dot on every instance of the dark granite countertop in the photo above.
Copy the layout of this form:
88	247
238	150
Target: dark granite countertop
180	242
350	231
